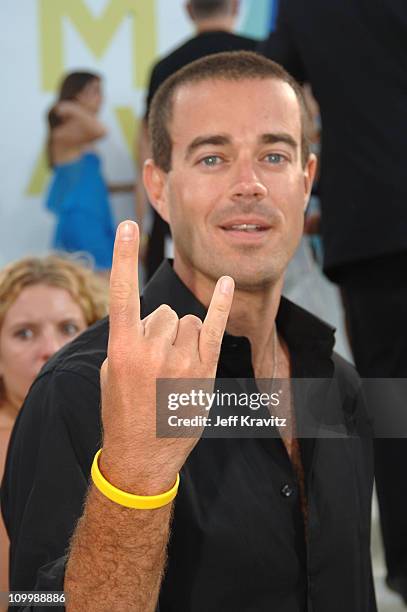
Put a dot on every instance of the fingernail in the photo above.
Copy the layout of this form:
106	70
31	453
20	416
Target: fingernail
226	285
127	231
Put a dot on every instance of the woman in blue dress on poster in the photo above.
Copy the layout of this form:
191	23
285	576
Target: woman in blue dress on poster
78	194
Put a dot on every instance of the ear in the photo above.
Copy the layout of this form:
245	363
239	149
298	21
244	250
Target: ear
155	182
309	175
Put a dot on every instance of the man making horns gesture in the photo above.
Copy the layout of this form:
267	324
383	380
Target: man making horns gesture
206	523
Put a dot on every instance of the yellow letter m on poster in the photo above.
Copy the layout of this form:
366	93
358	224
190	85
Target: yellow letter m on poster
97	32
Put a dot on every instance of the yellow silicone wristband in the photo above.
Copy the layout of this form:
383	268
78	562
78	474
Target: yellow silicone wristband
140	502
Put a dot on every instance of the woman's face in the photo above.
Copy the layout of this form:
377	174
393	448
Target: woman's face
40	321
91	96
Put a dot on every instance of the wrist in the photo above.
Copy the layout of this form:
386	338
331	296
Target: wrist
136	478
128	499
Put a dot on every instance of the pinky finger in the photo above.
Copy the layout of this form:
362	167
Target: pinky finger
214	326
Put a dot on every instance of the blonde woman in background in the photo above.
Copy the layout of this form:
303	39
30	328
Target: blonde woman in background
44	303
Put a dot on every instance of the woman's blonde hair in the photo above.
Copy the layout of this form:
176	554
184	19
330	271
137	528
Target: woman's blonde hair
85	287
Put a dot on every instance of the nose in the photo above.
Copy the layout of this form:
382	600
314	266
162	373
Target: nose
247	185
50	344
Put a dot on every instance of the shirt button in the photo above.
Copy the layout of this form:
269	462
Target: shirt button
286	490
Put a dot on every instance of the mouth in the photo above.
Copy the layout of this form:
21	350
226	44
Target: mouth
245	227
250	230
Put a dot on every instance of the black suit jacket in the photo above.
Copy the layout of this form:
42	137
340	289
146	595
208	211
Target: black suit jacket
354	54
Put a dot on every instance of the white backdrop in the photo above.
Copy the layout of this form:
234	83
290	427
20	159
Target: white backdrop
42	39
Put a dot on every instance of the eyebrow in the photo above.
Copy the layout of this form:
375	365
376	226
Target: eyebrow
273	138
223	140
211	139
24	323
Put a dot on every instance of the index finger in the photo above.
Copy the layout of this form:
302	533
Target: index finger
124	306
214	325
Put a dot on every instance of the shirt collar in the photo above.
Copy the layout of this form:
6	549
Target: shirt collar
165	287
300	329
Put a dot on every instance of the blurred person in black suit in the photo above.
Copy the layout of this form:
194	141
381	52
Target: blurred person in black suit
354	55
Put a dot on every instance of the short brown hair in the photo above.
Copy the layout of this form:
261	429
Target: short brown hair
228	66
86	288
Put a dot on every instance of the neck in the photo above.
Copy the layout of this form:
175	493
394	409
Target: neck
253	313
9	409
216	24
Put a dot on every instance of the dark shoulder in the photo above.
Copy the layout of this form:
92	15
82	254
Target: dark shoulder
244	43
209	43
352	394
194	48
170	63
201	45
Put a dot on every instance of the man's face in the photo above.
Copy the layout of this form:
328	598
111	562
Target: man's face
236	191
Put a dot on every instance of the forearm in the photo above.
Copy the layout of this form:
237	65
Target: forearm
117	557
78	125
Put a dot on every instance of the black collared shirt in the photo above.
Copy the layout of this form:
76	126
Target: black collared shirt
238	541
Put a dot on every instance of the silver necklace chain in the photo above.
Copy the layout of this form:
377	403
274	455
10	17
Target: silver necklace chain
274	354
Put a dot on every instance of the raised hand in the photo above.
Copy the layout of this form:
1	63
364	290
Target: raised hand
139	352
